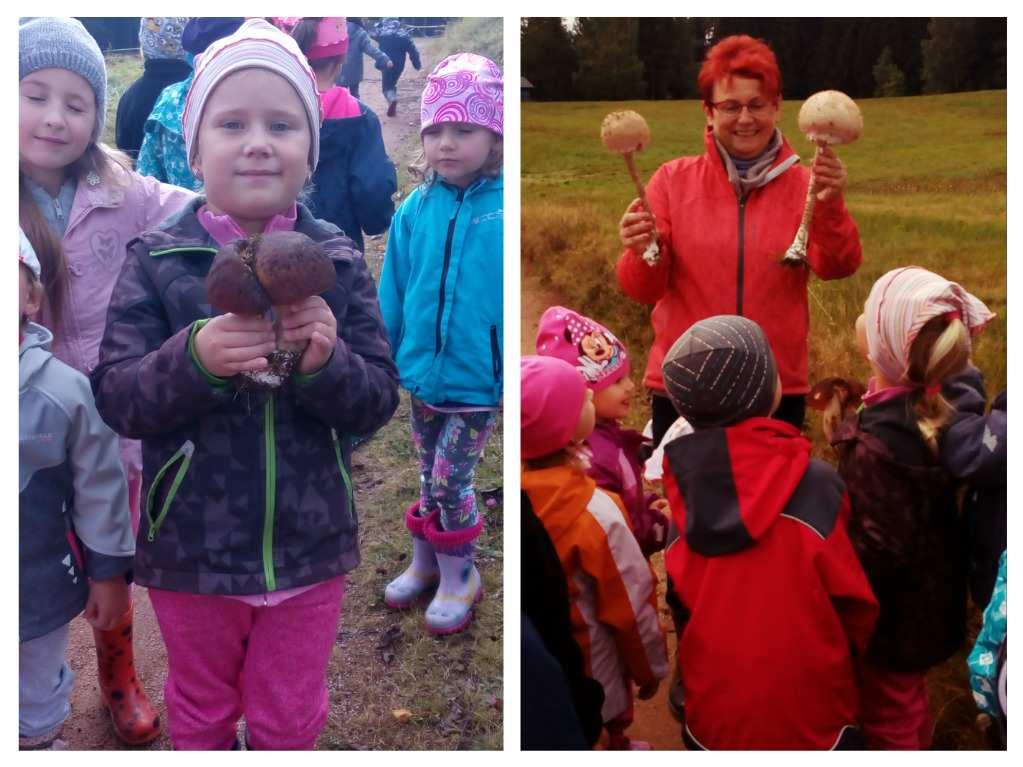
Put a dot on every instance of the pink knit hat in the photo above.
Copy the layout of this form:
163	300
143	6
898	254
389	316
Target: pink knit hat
255	44
585	343
901	303
464	88
27	255
331	35
553	395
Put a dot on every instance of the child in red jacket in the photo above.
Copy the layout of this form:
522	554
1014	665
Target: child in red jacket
776	602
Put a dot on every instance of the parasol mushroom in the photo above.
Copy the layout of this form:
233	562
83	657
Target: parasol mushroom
627	133
828	118
836	398
250	276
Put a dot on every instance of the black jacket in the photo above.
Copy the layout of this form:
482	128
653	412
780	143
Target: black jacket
908	534
242	493
137	102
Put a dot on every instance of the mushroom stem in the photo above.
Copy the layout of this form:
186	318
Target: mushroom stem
652	253
796	254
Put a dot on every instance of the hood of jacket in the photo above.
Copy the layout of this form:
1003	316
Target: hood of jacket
34	353
735	481
559	496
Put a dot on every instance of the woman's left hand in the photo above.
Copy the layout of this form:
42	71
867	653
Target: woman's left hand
829	174
310	320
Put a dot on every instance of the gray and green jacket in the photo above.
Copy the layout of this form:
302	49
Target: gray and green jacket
73	521
243	493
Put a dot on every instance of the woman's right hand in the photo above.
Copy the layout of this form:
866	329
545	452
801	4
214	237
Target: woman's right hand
232	343
636	227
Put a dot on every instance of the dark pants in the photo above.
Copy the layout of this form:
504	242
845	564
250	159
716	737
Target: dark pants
791	410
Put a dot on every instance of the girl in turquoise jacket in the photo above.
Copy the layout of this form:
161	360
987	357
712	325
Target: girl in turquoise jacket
441	298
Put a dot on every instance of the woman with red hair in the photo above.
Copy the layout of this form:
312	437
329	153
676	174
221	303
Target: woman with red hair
724	220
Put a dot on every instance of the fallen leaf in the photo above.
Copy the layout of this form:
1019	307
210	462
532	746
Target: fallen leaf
401	715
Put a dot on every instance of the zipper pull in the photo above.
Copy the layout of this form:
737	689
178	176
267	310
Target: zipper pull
57	209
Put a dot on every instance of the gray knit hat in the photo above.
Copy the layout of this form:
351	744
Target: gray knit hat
48	42
720	371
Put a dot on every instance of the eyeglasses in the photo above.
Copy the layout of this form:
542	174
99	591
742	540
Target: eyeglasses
733	108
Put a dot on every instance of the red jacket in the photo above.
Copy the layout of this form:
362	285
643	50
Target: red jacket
720	255
777	603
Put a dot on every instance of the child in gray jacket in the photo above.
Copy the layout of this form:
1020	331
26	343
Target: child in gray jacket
75	542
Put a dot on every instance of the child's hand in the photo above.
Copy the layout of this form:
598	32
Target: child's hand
310	320
647	691
108	601
232	343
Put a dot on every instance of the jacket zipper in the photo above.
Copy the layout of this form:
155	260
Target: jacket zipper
271	493
344	476
742	254
495	353
447	262
185	452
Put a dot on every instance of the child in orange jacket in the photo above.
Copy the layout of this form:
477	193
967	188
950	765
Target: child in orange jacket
612	589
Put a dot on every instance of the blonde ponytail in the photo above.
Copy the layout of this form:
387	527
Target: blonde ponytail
940	350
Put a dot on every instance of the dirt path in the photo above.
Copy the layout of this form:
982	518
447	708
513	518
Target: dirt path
89	726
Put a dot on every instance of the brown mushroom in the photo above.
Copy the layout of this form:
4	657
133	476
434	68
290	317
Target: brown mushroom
828	118
836	398
626	133
250	276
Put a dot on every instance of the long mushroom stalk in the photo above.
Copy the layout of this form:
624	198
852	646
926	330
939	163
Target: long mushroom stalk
828	118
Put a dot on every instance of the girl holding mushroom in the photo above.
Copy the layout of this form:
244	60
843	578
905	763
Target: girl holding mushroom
724	220
250	525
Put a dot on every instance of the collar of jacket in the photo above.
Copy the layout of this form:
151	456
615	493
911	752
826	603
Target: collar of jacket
185	231
479	184
710	149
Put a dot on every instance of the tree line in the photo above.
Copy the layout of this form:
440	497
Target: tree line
598	58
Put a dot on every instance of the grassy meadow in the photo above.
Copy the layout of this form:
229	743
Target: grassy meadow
927	186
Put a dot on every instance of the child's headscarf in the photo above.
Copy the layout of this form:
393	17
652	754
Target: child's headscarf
903	301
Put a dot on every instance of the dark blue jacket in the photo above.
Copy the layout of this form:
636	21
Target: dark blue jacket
355	179
242	493
973	449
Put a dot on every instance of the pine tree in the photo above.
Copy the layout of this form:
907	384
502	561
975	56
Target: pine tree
888	78
548	58
609	65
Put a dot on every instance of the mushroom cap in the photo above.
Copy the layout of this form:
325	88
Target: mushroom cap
830	117
625	132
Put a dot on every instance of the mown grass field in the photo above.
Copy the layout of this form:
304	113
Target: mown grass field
927	186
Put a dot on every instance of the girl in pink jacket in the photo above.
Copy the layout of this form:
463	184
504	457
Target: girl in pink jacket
80	204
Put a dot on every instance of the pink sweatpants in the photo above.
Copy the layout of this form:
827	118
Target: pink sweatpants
226	658
895	711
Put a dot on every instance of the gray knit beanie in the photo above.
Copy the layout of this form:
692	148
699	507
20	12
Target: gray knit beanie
720	371
49	42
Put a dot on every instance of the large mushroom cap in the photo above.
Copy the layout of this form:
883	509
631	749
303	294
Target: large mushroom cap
625	132
830	117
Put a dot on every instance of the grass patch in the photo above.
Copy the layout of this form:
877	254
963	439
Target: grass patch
123	69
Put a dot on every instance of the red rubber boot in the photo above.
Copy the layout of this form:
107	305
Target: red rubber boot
134	718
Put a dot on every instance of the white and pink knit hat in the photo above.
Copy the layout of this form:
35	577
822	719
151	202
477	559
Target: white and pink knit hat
256	44
27	255
464	88
901	302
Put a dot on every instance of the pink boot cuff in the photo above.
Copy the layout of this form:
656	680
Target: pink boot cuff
416	524
455	542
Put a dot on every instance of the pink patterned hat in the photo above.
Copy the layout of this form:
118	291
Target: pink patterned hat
465	88
584	343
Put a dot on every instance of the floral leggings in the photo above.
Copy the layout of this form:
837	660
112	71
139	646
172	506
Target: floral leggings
449	445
